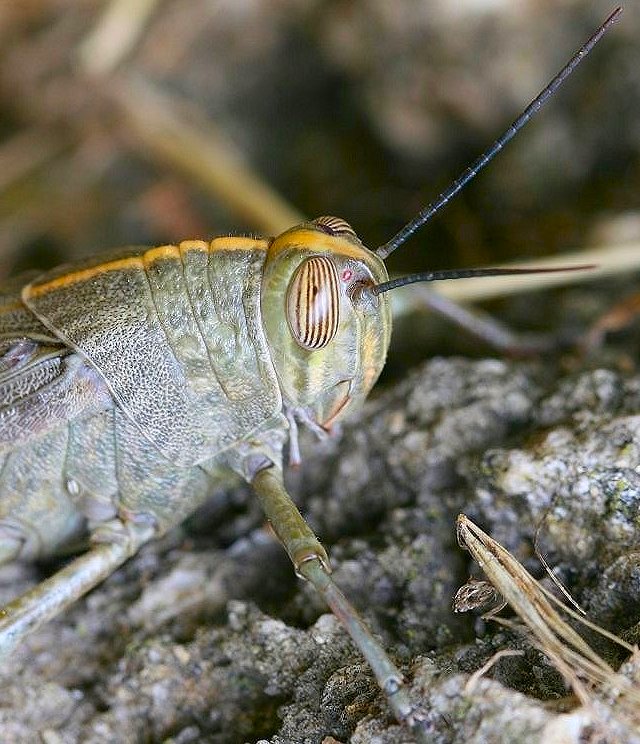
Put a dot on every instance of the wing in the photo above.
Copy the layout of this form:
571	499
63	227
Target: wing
43	384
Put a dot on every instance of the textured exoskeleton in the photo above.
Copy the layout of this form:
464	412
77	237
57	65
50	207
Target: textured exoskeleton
127	383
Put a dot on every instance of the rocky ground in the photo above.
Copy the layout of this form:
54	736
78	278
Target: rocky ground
207	636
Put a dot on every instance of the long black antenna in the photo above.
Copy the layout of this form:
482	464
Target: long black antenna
438	276
427	213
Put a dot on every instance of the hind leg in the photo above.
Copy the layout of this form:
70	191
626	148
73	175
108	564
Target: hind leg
38	518
46	600
37	514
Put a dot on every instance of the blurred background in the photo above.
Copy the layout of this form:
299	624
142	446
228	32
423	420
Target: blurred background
148	121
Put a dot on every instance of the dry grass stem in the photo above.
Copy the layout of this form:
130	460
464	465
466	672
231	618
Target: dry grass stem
550	574
609	260
489	664
590	677
115	35
191	144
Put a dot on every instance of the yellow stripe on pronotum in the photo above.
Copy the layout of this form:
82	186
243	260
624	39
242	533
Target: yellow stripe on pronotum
149	257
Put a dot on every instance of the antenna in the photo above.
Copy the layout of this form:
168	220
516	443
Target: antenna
445	197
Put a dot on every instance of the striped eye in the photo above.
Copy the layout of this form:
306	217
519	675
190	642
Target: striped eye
334	225
313	303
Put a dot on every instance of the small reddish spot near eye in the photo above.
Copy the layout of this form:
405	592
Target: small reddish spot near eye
346	275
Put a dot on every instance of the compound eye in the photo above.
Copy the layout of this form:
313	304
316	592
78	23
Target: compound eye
313	303
334	226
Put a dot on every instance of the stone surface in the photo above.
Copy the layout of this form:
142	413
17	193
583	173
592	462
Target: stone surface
173	647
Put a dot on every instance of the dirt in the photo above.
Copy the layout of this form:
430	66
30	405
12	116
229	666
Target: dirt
209	638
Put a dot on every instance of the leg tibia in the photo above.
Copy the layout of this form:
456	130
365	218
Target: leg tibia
287	522
310	560
34	608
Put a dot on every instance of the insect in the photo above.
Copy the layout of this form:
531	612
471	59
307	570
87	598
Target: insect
129	383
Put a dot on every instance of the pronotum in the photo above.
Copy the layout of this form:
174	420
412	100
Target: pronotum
128	383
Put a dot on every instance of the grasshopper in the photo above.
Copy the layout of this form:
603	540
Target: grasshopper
130	383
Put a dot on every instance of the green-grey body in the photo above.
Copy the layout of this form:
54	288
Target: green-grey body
129	383
151	371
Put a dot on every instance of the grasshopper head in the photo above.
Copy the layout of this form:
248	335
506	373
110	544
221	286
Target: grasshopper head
323	293
328	334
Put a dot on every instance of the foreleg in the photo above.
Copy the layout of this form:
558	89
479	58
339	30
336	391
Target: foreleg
311	563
